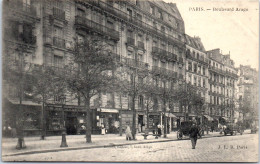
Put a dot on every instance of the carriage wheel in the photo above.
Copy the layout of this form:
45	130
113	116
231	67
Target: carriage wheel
179	135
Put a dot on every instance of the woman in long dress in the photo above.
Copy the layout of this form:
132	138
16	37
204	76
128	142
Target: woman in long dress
128	133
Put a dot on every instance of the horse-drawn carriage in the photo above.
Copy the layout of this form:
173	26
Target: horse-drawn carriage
184	129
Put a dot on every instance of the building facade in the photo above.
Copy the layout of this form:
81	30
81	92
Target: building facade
222	78
247	86
146	36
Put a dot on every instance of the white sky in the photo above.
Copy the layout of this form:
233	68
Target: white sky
235	31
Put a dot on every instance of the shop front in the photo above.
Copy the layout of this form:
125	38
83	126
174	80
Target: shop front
108	119
154	120
28	115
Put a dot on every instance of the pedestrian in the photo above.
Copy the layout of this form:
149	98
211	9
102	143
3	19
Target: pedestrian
128	133
194	133
159	130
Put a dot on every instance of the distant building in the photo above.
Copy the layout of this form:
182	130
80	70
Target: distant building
222	78
248	95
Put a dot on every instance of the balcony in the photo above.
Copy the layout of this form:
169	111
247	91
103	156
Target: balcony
130	41
19	6
85	23
134	63
201	59
161	53
23	38
231	74
134	20
163	72
140	45
58	13
217	70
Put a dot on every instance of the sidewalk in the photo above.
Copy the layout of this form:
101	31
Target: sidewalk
52	143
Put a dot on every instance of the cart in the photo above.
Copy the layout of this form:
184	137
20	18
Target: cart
184	129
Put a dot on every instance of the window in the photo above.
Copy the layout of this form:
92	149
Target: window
57	61
195	68
189	66
204	71
155	62
58	32
163	29
199	81
139	17
110	25
195	80
138	3
27	2
80	12
189	79
160	15
80	38
141	102
154	25
129	11
110	102
152	10
204	83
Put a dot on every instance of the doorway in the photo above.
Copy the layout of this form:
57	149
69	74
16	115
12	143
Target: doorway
71	125
140	123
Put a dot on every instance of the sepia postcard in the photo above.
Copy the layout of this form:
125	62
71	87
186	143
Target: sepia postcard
130	81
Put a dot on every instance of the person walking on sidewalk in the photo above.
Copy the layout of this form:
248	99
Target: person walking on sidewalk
128	133
194	133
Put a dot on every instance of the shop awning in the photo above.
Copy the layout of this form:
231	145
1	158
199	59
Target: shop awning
208	117
225	118
106	110
16	102
170	115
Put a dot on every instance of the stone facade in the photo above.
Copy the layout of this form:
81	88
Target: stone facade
146	35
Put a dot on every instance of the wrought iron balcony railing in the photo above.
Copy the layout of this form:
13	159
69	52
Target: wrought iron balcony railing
164	54
134	63
96	27
24	8
135	21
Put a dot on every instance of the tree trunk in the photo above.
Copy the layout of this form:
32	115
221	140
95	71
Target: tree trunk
134	119
43	122
120	116
89	123
165	119
147	119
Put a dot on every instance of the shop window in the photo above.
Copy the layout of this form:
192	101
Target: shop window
30	121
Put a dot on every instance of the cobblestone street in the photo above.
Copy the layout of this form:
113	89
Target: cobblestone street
217	149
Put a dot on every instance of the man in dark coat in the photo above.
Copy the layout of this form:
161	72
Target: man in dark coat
194	133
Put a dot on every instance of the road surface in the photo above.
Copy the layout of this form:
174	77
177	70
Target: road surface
217	149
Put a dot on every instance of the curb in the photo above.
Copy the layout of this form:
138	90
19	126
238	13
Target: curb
100	146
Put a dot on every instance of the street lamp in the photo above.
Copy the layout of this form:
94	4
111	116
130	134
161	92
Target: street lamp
63	139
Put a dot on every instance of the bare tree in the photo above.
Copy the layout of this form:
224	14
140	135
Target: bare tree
89	71
47	86
132	80
16	73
